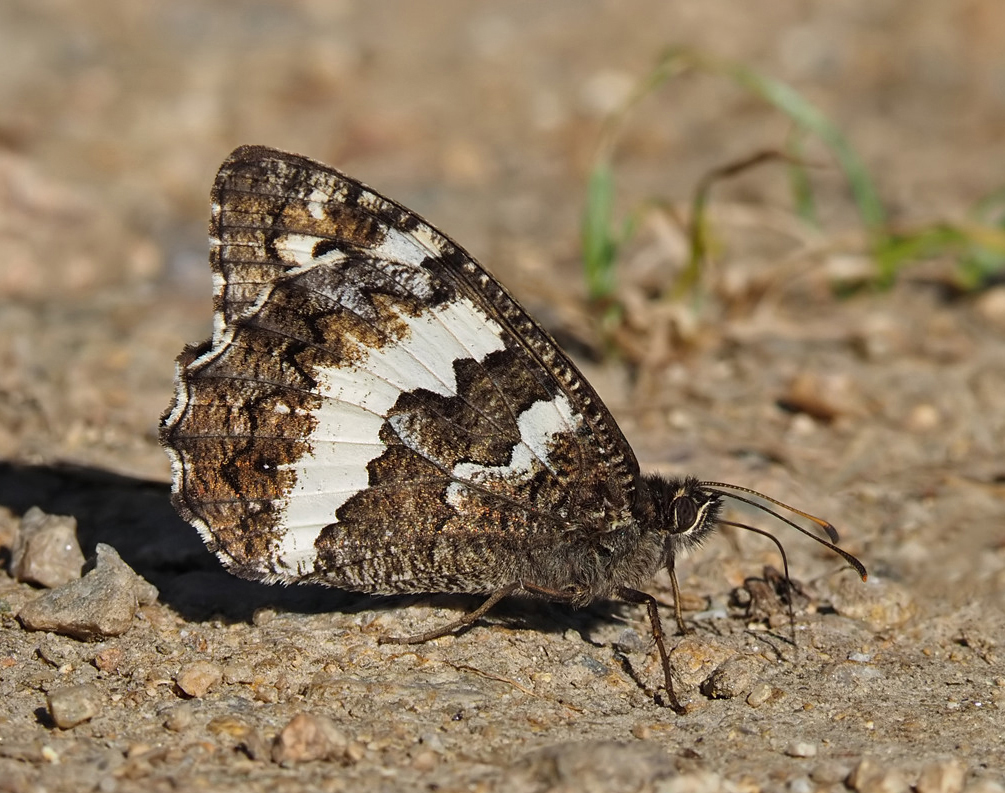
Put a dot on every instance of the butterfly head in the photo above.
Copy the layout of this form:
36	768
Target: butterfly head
684	510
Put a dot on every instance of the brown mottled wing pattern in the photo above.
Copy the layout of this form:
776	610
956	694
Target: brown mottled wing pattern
374	411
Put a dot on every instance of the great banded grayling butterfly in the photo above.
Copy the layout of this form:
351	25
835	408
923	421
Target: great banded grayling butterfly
375	412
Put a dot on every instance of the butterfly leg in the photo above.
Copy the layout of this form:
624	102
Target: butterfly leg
453	627
634	596
676	599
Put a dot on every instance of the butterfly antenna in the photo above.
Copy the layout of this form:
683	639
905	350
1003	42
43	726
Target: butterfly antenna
823	524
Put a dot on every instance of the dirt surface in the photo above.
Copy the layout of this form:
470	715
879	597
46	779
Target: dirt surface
884	412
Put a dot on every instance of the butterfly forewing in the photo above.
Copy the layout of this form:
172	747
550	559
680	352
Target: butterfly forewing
372	400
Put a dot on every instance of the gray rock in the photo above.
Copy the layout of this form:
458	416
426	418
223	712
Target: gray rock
46	551
73	705
100	604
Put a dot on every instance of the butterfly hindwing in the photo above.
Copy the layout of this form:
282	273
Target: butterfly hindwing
372	400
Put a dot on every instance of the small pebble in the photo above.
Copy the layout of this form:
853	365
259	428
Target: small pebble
137	750
759	694
824	397
73	705
432	740
266	693
879	337
631	642
235	673
801	749
801	784
179	717
741	597
100	604
829	772
425	761
57	652
46	551
694	659
941	777
593	665
850	269
197	678
228	725
642	731
991	306
109	659
869	776
731	678
924	417
309	737
355	752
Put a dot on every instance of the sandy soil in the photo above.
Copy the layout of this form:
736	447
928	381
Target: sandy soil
884	412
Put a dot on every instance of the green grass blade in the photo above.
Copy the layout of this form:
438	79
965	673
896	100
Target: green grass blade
599	246
979	248
809	118
799	179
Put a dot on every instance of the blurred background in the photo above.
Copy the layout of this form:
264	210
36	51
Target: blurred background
484	116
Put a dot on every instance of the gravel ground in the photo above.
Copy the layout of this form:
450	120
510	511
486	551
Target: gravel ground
884	412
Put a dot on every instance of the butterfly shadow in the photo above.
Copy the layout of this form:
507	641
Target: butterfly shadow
517	612
135	516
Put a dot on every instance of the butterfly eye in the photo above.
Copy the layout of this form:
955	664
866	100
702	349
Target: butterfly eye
685	512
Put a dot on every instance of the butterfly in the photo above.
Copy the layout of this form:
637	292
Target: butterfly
375	412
